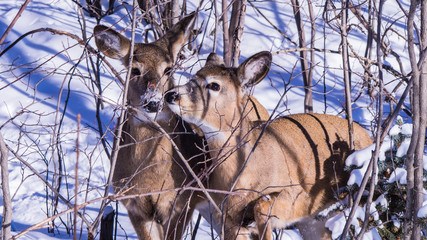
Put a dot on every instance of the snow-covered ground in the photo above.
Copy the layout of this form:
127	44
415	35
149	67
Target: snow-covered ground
45	84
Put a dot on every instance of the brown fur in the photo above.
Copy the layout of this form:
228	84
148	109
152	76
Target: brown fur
147	162
290	173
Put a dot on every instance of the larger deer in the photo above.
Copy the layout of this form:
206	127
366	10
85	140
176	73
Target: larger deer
286	170
147	161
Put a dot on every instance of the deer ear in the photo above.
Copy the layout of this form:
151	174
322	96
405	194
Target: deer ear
214	60
111	43
176	37
254	69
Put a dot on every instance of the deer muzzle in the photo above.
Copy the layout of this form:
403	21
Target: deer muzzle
171	97
152	106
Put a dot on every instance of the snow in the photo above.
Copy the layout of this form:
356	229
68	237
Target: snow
360	159
422	213
403	148
395	130
406	129
398	175
37	99
396	222
382	201
336	224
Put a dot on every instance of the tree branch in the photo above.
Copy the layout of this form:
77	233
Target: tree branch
7	201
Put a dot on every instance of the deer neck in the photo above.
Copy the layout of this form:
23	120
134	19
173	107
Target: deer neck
235	120
230	145
142	120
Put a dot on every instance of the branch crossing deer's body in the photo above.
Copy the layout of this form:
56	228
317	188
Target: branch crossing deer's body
147	162
286	170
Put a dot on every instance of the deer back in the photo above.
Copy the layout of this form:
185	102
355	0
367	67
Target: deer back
298	158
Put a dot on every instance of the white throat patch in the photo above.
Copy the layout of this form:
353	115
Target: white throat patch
148	117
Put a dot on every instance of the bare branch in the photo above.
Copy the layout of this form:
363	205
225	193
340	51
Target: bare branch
308	97
7	201
237	22
226	34
24	5
346	71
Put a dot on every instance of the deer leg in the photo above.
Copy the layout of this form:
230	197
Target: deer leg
274	211
175	227
263	211
150	230
234	228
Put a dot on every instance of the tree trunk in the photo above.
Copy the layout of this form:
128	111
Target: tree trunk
226	36
419	121
175	12
237	22
233	30
409	161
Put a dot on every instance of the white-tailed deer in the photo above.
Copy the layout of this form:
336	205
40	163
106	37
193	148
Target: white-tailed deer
147	161
286	170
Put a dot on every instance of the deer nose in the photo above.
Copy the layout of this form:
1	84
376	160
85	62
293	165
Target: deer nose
170	97
152	106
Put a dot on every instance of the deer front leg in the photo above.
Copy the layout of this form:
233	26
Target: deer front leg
235	228
146	229
263	211
275	210
279	209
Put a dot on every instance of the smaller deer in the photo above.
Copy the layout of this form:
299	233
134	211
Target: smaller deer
286	170
147	162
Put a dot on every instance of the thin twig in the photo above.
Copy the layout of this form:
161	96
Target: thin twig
24	5
76	180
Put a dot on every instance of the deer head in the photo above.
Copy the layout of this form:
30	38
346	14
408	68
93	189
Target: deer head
152	63
215	97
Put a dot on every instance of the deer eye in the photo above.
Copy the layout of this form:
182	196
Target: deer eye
167	71
213	86
135	71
